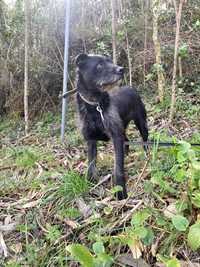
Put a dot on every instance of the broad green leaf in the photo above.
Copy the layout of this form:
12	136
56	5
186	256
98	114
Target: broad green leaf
185	147
180	175
98	248
196	199
158	180
140	217
173	263
191	155
194	236
148	239
181	157
103	260
160	220
180	223
140	232
81	254
196	165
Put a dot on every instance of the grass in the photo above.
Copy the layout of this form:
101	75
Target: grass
73	185
42	181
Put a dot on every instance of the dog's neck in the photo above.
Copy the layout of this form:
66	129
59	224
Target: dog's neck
92	96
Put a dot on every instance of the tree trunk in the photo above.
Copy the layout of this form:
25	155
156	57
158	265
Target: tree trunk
161	80
180	67
129	59
114	46
26	90
145	13
173	90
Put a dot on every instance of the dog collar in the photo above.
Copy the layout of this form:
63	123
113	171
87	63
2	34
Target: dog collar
96	104
88	101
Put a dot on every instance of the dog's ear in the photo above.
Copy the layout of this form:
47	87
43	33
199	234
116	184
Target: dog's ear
80	59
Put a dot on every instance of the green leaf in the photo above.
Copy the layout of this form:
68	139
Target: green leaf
180	175
194	236
148	239
183	50
181	157
196	198
173	263
180	223
98	248
185	147
196	165
160	220
103	260
140	232
82	254
158	180
53	233
116	189
140	217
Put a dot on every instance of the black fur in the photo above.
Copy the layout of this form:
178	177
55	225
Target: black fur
119	106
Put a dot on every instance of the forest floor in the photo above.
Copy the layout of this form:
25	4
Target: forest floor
47	206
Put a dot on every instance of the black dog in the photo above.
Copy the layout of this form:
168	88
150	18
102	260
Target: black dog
106	115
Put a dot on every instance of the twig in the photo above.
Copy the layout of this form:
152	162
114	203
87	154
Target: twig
101	182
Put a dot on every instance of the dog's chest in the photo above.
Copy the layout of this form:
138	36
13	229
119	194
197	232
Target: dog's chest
91	123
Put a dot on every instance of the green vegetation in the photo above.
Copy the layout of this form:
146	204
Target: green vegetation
60	219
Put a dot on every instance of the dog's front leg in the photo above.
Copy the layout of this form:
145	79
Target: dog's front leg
119	166
92	154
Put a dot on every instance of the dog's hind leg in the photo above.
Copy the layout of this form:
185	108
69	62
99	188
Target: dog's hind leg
92	155
141	124
119	166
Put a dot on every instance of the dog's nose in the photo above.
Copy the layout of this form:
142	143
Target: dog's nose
120	70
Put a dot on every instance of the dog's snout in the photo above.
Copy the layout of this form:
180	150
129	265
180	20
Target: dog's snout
120	70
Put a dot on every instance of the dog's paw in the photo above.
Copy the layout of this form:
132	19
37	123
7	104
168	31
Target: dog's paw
121	195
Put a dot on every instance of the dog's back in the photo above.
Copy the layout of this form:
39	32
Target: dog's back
128	102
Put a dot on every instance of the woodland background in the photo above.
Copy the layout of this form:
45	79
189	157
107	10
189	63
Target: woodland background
50	214
91	32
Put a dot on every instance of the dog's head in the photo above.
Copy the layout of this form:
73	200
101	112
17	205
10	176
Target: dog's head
98	71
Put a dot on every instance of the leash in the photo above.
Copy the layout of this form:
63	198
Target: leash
163	144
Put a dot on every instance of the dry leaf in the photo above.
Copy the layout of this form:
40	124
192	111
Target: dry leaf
128	260
3	246
30	204
183	264
8	219
16	248
72	224
136	248
84	209
170	211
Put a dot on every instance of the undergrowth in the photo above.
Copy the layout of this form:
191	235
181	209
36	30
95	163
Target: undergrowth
50	215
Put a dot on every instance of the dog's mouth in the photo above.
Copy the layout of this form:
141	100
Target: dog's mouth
111	84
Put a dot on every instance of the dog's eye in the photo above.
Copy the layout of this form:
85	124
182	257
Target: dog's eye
99	67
